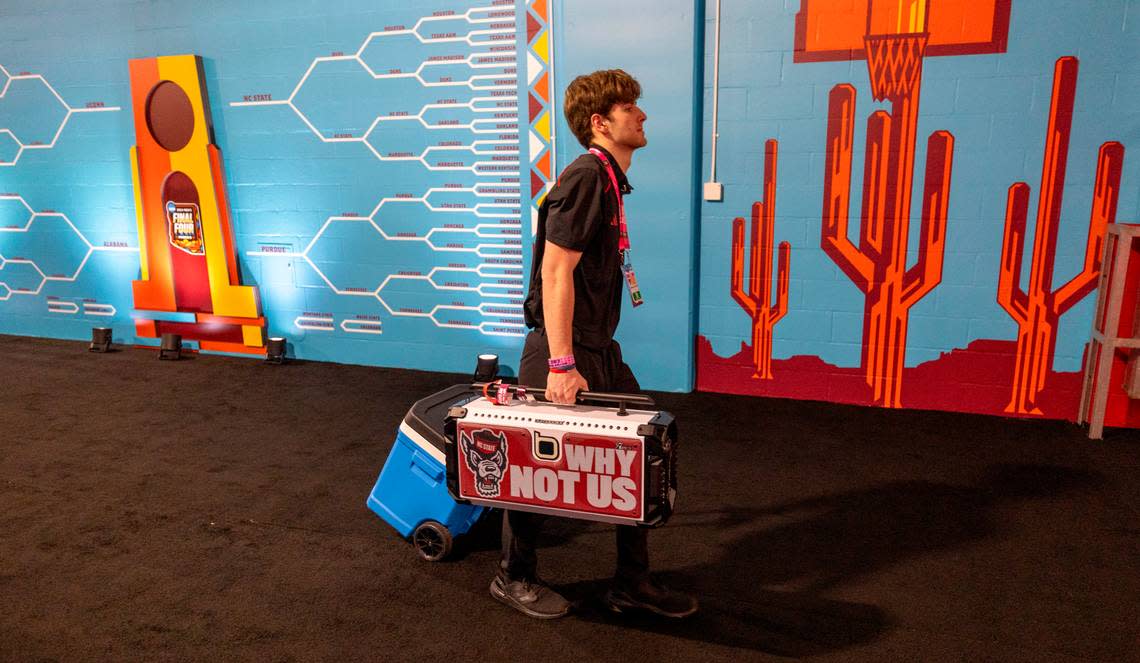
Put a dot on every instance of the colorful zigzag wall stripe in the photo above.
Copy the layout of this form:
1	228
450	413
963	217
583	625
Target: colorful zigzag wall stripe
540	102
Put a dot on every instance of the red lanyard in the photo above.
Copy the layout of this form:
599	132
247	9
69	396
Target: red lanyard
623	229
635	296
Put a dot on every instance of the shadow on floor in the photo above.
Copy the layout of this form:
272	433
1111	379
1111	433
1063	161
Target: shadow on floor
808	547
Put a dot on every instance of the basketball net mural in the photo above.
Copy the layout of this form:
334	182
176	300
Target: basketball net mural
189	281
895	37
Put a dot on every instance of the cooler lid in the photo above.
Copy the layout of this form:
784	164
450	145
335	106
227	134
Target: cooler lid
428	414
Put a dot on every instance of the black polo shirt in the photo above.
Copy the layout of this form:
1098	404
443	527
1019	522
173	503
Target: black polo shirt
581	214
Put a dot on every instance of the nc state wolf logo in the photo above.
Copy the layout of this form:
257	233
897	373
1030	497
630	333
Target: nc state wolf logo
486	454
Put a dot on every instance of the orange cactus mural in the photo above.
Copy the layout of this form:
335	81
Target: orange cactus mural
878	266
1038	309
757	300
894	36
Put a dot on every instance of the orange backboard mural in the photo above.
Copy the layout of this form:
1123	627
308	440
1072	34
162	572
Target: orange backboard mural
828	30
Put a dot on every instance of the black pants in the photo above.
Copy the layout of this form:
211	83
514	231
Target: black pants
603	370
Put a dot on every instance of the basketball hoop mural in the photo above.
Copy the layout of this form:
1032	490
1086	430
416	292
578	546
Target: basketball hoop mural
895	36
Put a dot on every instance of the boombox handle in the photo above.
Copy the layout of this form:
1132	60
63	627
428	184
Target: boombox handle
621	400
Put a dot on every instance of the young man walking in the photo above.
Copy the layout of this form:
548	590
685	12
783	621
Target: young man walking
579	271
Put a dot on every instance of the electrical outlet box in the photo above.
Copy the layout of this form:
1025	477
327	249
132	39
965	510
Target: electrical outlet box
714	191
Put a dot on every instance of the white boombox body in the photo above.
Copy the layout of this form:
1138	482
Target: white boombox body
610	464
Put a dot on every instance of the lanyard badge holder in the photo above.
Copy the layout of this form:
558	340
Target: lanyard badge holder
631	280
635	296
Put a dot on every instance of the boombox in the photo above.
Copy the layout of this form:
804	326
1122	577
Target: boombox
609	458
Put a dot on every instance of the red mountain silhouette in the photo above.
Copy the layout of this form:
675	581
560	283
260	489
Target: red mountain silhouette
975	379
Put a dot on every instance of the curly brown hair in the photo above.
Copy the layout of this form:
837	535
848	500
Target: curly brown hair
597	93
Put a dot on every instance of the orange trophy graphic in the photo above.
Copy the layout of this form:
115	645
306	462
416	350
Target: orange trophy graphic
894	36
189	282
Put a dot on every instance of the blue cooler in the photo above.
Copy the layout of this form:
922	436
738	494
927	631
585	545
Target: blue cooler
411	493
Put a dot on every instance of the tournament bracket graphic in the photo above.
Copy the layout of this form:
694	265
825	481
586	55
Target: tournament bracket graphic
46	255
449	110
189	282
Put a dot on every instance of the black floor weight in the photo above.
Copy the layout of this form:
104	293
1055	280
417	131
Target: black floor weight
432	540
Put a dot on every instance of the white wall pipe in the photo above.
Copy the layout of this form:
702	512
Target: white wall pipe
713	190
716	87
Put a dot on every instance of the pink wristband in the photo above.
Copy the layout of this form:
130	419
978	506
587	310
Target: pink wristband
561	362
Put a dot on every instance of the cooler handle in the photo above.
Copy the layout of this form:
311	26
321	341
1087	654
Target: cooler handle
621	400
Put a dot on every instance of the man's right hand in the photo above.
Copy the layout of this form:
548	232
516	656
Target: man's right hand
564	387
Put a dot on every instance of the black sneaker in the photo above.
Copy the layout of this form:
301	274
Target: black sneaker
530	597
650	596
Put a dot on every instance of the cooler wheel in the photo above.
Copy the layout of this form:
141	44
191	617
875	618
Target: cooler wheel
432	540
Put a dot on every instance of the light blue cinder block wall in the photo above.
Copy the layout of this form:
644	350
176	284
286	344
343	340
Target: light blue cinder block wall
657	337
285	182
299	194
995	105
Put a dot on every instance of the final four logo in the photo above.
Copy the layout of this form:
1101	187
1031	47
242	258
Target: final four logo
486	454
185	226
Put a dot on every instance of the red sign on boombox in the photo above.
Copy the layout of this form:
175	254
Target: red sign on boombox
574	461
